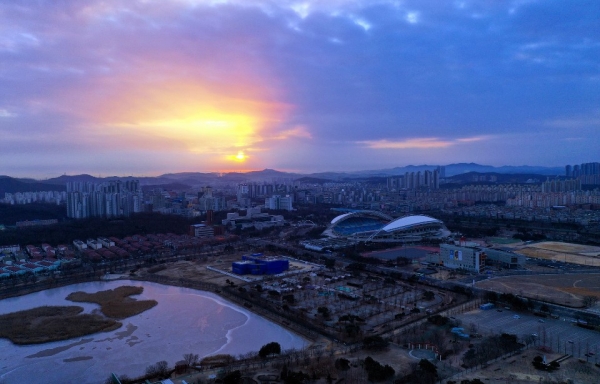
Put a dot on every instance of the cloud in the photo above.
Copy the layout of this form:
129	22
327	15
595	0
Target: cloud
6	113
421	143
296	132
204	79
573	123
418	143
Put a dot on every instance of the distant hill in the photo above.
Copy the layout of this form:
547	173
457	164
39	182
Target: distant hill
496	178
459	168
455	169
313	180
12	185
64	179
169	187
200	179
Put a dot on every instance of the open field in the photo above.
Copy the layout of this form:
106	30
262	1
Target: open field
568	247
567	289
46	324
565	252
196	270
116	303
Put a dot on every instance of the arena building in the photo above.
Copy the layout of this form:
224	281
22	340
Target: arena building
257	264
352	223
374	226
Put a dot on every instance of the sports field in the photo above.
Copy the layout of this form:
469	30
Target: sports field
565	252
564	289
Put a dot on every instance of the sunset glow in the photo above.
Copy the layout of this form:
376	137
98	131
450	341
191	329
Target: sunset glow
143	87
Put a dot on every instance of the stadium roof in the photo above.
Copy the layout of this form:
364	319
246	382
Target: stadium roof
409	221
365	212
340	217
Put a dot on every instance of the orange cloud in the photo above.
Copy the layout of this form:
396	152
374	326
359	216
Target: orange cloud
194	116
296	132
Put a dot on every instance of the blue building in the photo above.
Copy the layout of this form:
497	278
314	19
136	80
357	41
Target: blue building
257	264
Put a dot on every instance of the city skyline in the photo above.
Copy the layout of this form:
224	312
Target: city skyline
142	88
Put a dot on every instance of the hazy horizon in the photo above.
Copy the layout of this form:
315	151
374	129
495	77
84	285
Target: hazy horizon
107	175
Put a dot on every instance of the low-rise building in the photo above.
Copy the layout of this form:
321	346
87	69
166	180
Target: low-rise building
80	245
202	230
93	244
474	258
107	243
457	257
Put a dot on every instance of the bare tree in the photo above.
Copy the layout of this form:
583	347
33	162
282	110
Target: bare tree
590	300
162	367
191	359
158	369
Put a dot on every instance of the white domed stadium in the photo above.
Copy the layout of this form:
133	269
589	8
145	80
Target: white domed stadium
376	226
352	223
410	229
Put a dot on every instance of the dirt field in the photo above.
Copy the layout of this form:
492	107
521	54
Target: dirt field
565	252
560	289
519	370
196	270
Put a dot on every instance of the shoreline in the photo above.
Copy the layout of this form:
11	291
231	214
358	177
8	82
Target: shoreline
311	336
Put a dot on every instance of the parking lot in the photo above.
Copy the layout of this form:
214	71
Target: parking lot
560	335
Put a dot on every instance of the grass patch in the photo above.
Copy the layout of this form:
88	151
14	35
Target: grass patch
116	303
45	324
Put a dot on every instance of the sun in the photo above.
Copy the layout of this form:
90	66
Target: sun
241	156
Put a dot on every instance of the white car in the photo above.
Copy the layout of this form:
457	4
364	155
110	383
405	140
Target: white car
516	317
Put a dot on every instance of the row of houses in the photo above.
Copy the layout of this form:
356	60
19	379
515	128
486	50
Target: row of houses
138	245
48	251
102	248
10	268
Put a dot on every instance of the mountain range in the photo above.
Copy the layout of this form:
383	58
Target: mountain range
197	179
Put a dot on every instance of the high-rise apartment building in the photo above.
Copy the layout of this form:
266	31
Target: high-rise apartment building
109	199
587	173
279	202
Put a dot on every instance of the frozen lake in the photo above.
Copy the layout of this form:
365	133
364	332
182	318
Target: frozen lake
184	321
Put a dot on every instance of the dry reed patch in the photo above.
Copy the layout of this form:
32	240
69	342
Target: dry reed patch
116	303
46	324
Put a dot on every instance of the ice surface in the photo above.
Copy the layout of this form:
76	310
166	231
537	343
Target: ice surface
184	321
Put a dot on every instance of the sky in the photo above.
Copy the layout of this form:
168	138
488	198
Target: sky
142	87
